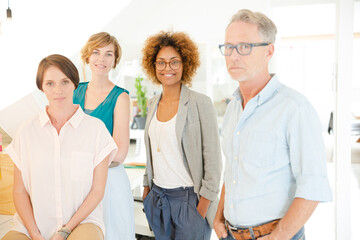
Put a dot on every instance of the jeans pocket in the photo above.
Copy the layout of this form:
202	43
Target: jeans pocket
193	203
146	198
229	236
198	214
146	202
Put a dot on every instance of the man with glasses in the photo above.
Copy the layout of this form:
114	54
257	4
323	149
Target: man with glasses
275	171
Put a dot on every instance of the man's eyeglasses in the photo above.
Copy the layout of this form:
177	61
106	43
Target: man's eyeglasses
161	65
242	48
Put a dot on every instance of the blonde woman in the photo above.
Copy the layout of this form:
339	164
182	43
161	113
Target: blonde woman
103	99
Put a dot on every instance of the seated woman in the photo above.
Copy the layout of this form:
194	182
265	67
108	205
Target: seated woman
61	159
183	168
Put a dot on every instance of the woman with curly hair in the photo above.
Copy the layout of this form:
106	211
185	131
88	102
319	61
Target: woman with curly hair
183	169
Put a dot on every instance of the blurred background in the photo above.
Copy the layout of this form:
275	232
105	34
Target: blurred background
306	58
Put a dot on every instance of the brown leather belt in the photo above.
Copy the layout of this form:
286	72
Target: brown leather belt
245	233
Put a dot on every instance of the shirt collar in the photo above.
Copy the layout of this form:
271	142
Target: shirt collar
44	118
265	94
269	90
74	121
237	94
78	116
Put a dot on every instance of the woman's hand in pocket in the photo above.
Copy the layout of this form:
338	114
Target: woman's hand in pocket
146	192
203	206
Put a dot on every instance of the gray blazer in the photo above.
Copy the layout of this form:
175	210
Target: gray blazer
198	137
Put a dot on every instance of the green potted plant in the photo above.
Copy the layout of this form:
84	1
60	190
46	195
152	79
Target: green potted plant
140	119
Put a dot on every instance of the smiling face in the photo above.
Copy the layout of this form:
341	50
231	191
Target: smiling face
102	60
246	67
57	87
169	76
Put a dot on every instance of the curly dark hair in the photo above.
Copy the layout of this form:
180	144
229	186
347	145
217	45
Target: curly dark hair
182	43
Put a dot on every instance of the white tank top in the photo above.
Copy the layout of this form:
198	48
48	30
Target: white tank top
168	165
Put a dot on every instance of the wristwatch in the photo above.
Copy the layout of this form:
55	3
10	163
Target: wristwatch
64	232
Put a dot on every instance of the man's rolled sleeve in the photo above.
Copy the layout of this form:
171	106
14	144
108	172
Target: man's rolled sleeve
307	155
315	188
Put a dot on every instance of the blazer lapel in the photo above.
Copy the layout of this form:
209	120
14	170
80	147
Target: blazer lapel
182	112
150	115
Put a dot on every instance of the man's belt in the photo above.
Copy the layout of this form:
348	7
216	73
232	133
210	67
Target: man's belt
258	231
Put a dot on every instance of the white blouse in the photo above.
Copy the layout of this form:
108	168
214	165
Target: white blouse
169	168
57	169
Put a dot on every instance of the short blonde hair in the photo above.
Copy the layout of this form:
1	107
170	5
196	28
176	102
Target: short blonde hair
267	28
182	43
98	40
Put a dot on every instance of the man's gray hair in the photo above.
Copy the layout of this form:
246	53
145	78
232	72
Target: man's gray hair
267	28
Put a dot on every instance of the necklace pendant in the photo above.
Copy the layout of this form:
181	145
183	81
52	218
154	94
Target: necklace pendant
158	149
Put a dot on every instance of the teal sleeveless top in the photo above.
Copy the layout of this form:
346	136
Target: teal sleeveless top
105	110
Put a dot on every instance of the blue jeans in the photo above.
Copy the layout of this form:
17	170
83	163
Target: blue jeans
172	214
300	235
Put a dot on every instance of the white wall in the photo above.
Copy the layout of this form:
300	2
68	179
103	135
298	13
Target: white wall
204	21
42	27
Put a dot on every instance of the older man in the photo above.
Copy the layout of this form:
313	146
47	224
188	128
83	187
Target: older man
275	173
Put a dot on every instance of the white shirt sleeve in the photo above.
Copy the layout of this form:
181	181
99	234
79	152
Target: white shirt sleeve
105	145
14	151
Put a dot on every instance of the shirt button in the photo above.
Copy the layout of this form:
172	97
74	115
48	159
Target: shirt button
238	133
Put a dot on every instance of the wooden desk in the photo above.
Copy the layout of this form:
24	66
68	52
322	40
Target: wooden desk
6	185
